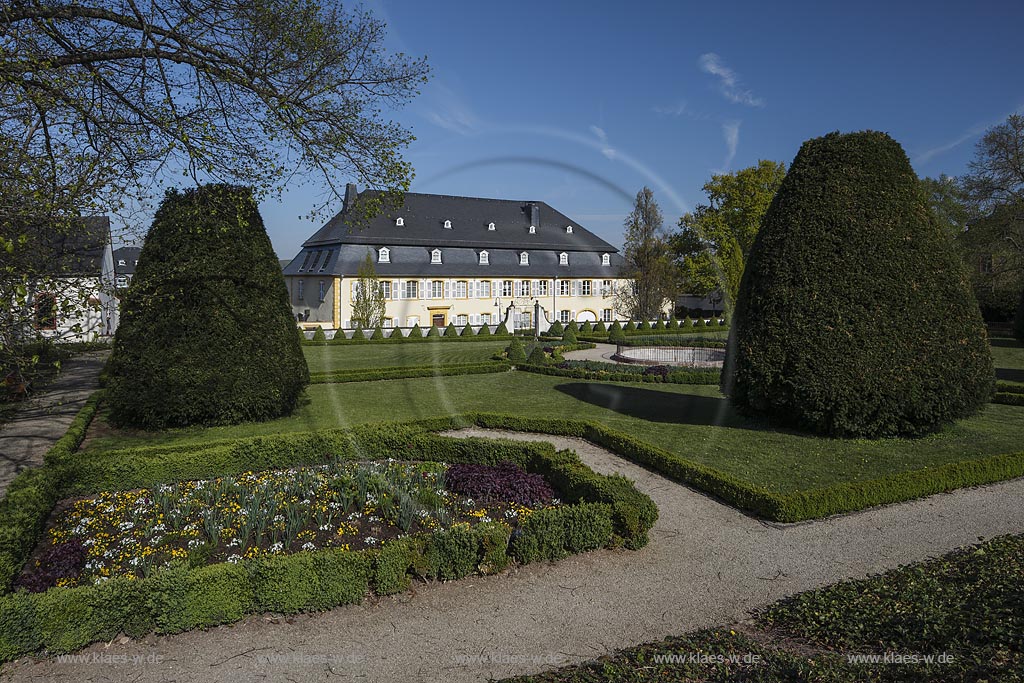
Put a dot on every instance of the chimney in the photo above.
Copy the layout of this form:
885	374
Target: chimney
350	196
534	215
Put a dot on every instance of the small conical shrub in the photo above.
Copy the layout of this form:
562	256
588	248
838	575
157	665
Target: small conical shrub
572	326
616	335
515	351
537	356
396	333
585	328
358	333
673	324
485	331
377	334
615	327
302	336
569	336
660	325
629	327
467	331
556	329
318	336
644	326
687	323
207	335
451	330
433	331
502	330
415	332
338	338
599	327
847	246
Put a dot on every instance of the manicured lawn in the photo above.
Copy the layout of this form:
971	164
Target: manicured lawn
695	422
965	607
1008	354
360	356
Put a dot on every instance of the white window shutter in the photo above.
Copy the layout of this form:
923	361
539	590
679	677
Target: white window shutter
572	315
471	289
396	290
423	289
447	289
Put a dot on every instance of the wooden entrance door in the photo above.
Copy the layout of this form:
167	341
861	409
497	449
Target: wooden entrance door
438	320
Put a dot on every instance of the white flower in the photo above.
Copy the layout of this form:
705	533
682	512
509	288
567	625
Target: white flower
234	559
370	540
277	547
309	546
325	527
234	542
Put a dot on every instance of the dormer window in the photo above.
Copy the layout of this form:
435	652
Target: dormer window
484	258
606	260
384	254
533	229
435	256
490	226
568	229
400	222
563	259
122	262
524	259
448	225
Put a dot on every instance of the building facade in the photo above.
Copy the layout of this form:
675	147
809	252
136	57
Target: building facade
442	259
125	260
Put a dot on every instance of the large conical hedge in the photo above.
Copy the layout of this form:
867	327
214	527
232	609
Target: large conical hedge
1018	320
854	316
207	334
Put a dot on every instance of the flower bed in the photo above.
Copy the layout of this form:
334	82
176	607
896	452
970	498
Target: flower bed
345	504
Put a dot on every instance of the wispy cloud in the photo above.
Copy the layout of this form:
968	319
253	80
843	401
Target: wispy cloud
968	135
447	110
677	109
729	83
731	133
606	149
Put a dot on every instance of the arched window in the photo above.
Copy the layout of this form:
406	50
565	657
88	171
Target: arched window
533	229
484	258
524	259
563	259
384	255
448	224
568	229
435	256
490	226
606	260
399	221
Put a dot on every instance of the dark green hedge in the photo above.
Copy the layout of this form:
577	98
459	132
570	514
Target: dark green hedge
404	372
1010	398
681	376
847	247
412	339
207	335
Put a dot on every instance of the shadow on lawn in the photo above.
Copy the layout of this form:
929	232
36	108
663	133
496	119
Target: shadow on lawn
1009	375
659	406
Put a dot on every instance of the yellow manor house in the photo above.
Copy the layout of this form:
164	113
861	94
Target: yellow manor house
462	260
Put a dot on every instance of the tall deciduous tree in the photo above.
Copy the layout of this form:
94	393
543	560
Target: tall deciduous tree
993	243
648	267
102	101
714	239
368	303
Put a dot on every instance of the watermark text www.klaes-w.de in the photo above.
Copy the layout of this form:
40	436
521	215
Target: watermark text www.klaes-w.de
708	658
900	658
109	659
550	658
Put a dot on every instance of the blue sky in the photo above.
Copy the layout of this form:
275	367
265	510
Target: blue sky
580	104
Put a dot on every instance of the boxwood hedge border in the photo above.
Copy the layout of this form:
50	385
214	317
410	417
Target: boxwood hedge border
408	372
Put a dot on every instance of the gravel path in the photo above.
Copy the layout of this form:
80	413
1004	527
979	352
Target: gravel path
707	564
39	424
602	352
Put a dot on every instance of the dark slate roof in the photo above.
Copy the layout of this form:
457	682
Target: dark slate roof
130	256
424	216
344	261
77	250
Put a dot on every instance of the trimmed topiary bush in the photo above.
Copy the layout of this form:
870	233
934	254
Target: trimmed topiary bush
585	328
501	329
485	331
616	334
377	334
644	325
318	336
629	327
660	325
207	334
358	333
537	356
673	324
572	326
848	246
396	333
433	331
569	336
451	330
467	331
556	329
415	332
687	322
599	327
515	351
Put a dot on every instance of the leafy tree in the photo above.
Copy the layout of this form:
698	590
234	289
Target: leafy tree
950	203
848	246
200	343
648	268
993	243
713	241
103	102
368	303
